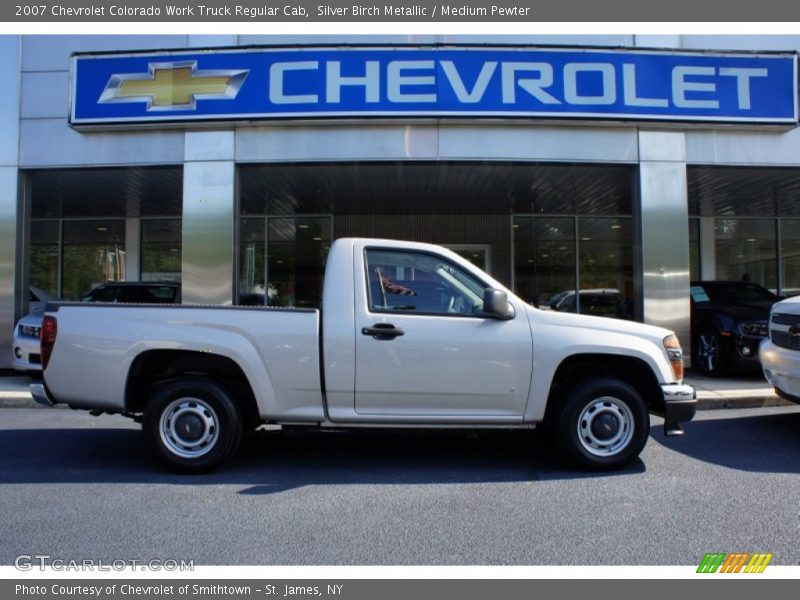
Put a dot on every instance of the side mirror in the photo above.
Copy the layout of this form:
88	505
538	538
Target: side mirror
496	305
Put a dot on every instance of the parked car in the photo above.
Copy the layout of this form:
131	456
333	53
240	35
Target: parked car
37	298
729	321
412	335
26	351
780	352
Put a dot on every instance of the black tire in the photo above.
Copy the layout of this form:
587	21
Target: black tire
709	356
204	412
602	424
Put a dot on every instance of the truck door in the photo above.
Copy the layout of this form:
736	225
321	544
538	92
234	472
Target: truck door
425	349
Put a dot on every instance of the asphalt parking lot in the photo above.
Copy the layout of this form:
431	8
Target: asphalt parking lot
75	486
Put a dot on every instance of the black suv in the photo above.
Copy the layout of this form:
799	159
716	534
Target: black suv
729	320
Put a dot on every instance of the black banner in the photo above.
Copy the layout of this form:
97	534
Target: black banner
365	11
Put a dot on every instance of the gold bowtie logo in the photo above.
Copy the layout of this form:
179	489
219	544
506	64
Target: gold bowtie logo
173	86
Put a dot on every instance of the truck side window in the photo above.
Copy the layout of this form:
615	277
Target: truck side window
400	281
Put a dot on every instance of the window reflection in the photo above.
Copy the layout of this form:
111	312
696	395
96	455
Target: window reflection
282	260
161	250
745	251
598	280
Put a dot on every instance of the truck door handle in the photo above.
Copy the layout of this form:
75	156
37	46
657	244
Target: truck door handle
383	331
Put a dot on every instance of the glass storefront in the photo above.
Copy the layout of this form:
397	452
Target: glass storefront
560	235
494	214
746	250
754	214
91	226
576	264
93	252
45	256
161	250
580	257
282	260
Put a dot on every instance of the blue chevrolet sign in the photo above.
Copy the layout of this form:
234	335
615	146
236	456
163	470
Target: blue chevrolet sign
433	82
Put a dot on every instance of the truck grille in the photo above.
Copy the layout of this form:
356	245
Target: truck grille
781	337
784	340
784	319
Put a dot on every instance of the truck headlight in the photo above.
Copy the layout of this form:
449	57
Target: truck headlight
675	355
753	328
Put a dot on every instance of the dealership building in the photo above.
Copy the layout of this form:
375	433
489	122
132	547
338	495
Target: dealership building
597	174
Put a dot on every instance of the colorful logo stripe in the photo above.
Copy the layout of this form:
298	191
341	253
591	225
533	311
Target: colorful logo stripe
737	562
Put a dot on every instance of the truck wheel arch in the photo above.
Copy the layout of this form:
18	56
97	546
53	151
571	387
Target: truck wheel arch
631	370
153	368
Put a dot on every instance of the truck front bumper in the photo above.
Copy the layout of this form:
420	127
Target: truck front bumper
680	405
781	369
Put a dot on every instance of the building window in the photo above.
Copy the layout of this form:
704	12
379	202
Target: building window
44	259
161	250
282	260
575	264
93	253
544	258
252	268
790	256
745	250
83	223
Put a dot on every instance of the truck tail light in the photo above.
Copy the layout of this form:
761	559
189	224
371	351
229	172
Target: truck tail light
48	338
675	354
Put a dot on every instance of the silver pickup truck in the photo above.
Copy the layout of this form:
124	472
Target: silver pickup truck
409	335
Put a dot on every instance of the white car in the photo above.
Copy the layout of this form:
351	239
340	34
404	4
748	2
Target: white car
26	347
780	351
26	334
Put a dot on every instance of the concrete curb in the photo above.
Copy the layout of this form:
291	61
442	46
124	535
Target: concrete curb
741	402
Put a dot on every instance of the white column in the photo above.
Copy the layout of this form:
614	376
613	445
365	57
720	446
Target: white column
208	217
664	225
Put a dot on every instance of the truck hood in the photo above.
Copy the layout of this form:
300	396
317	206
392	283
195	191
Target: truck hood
650	332
790	306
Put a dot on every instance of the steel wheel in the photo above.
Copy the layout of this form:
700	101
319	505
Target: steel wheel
601	423
605	426
192	424
189	427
